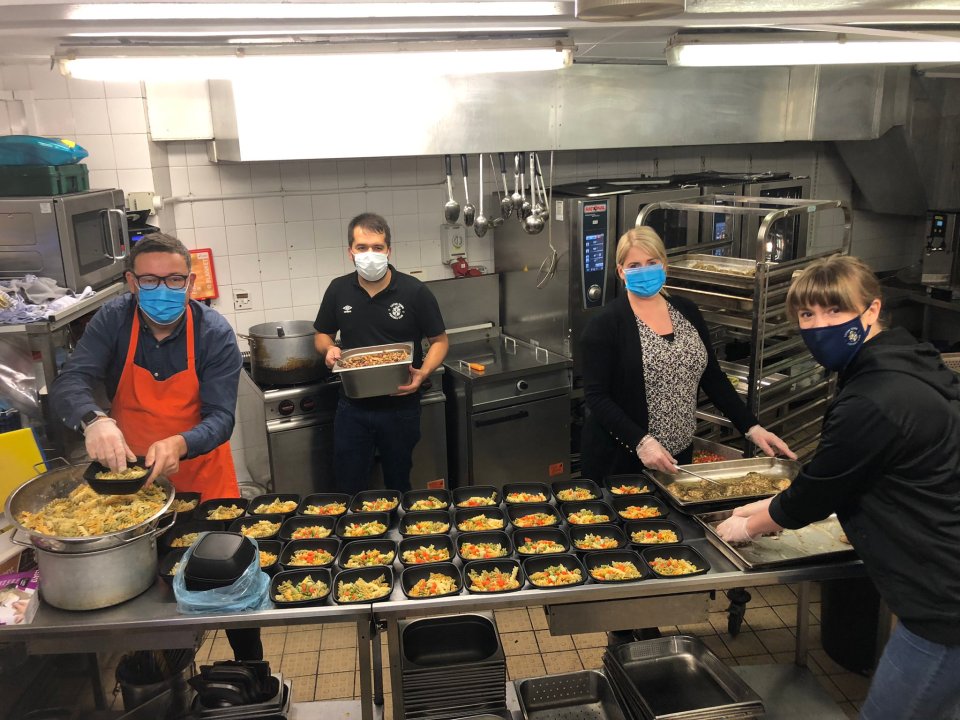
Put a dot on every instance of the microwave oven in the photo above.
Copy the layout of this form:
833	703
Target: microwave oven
78	239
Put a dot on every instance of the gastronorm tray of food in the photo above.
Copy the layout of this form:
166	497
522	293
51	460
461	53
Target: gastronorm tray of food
740	481
739	376
711	299
822	540
715	269
374	370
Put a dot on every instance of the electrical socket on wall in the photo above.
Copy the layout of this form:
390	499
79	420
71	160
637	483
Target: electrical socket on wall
454	243
241	299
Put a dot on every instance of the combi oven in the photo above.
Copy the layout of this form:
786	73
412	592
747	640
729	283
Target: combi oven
78	239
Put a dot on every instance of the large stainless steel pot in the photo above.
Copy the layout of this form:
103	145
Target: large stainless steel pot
98	579
59	483
283	353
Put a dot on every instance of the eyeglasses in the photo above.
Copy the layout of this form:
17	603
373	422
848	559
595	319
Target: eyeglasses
152	282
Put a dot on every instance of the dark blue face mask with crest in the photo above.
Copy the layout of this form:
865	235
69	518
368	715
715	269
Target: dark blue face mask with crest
835	346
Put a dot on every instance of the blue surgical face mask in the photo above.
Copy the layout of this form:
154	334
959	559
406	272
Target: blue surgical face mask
834	346
645	280
163	305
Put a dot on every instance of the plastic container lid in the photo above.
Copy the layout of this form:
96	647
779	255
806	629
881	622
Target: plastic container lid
220	556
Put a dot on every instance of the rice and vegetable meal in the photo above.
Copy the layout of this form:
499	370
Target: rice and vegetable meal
576	493
587	517
308	557
480	522
277	506
436	584
224	512
306	589
525	497
361	589
260	529
85	513
425	554
185	540
182	506
617	570
640	512
495	580
629	489
372	359
673	566
540	547
428	527
369	558
267	558
379	505
374	527
654	537
535	520
429	503
556	575
596	542
482	551
753	483
134	472
478	501
333	508
310	531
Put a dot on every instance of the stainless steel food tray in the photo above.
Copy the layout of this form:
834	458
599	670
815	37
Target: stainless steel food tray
375	380
580	695
725	451
710	299
742	373
721	471
683	267
678	677
818	541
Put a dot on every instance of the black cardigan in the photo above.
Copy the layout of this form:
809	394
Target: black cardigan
615	393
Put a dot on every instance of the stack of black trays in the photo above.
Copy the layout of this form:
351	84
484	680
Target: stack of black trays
276	707
452	666
677	678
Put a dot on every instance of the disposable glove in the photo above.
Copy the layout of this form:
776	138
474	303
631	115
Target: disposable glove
734	530
106	445
752	508
769	442
653	455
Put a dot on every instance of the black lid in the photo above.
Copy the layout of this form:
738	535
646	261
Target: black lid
220	556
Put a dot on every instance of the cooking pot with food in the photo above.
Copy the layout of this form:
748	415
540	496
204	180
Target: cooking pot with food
283	353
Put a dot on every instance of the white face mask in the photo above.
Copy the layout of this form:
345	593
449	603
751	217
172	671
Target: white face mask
371	265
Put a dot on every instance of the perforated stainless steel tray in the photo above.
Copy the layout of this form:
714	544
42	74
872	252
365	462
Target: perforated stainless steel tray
583	695
817	541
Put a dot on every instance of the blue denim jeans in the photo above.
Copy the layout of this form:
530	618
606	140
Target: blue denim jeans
916	679
359	432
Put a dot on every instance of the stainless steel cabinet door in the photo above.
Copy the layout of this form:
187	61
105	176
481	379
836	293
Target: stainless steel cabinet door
529	442
301	459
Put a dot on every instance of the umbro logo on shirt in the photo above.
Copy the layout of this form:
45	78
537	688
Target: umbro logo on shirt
347	309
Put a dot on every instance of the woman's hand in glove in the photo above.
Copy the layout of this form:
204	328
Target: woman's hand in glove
105	443
752	508
769	442
735	530
653	455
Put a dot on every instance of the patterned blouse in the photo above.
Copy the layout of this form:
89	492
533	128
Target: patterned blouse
672	369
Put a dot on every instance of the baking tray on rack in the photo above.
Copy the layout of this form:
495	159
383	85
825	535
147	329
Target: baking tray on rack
715	270
818	541
710	299
742	374
721	471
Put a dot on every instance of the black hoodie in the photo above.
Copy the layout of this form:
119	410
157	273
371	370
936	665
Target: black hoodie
889	466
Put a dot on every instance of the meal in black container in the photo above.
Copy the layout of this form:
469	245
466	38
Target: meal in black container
364	585
492	576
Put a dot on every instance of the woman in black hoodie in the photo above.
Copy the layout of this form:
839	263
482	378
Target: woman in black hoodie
888	465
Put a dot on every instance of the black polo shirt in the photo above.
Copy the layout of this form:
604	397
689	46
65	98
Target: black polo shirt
404	311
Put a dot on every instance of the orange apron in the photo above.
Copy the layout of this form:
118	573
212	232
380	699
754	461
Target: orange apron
148	410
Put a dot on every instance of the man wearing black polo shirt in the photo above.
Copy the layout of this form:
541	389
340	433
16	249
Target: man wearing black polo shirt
373	306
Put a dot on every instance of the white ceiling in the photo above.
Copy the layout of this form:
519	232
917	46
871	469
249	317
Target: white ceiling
35	29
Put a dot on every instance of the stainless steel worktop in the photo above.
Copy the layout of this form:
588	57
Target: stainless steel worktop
502	357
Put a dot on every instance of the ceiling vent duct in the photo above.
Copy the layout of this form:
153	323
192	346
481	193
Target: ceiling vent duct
627	9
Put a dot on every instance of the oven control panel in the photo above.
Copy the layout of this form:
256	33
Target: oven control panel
594	240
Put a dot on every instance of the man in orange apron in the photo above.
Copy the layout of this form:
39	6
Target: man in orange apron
171	368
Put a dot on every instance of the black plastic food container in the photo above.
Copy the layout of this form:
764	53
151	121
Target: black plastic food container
269	498
369	574
538	563
520	536
207	506
356	504
583	483
330	544
530	488
605	557
462	514
165	568
579	532
412	575
115	487
248	521
621	503
361	518
440	516
515	512
180	529
505	565
361	546
493	537
319	499
680	552
636	481
298	522
318	574
271	546
462	494
632	526
412	496
596	506
439	542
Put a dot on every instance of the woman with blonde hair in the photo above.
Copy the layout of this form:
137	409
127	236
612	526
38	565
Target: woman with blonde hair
888	465
645	357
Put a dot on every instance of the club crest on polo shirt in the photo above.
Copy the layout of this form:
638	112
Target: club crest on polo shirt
347	309
396	310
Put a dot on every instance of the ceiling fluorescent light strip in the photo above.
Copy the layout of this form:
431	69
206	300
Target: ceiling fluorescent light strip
372	64
682	52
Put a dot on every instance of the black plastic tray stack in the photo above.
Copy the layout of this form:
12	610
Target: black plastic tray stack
275	708
677	678
452	667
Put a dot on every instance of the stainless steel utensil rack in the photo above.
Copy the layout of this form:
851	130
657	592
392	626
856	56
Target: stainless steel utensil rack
745	299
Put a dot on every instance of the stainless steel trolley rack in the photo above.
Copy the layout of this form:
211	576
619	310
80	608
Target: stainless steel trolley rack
745	298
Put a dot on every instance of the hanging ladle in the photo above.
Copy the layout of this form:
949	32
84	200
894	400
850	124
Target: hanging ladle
516	199
481	224
532	222
451	210
469	211
497	220
506	204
